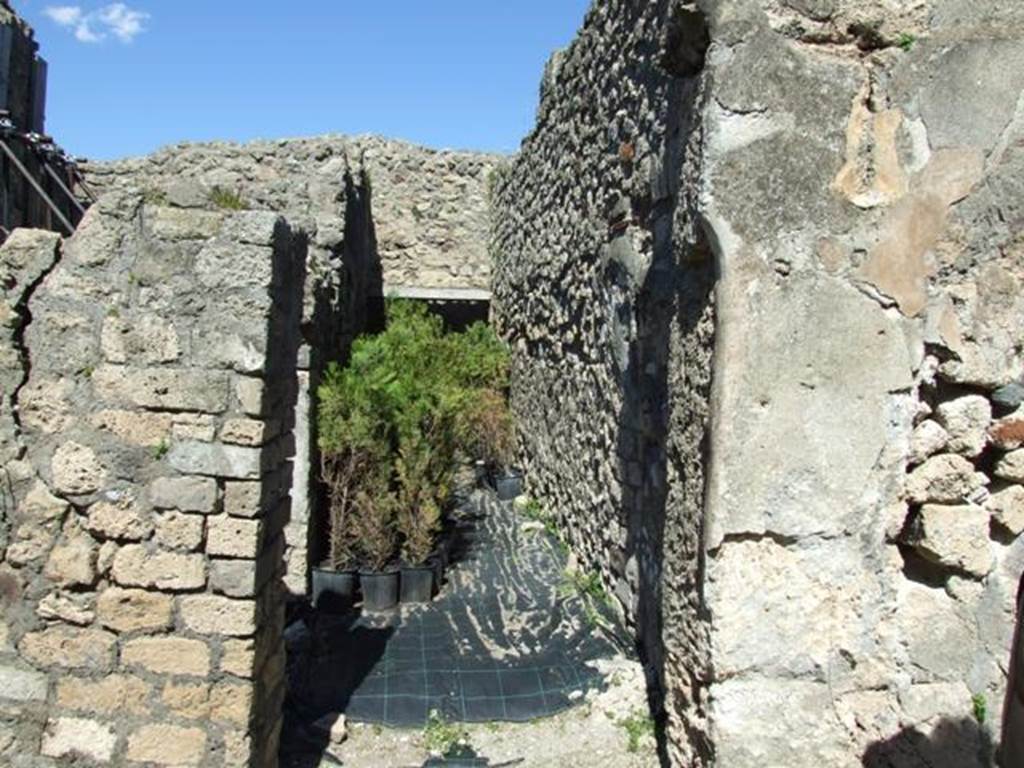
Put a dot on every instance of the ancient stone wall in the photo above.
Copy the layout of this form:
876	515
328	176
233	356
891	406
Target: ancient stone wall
429	208
839	549
150	365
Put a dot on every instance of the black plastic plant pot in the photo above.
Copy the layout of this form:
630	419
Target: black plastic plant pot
380	590
508	484
334	591
437	564
417	584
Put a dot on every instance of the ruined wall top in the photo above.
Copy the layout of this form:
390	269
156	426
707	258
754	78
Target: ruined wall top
429	207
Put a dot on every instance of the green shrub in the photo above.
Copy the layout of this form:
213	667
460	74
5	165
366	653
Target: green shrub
638	726
227	199
393	424
444	738
979	705
906	41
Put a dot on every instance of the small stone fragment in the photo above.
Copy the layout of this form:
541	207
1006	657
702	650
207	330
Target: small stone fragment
928	439
66	607
1007	434
1011	466
946	478
1007	508
966	419
1010	396
334	725
955	536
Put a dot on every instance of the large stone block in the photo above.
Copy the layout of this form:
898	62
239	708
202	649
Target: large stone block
168	389
194	426
132	610
239	658
253	227
135	427
217	460
89	649
242	499
183	223
168	656
76	469
188	494
216	615
231	266
41	506
234	578
175	530
188	700
121	521
144	340
759	723
72	562
137	566
251	396
249	432
167	745
113	695
22	685
231	703
73	737
233	537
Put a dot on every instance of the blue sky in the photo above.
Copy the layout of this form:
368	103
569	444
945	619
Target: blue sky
127	78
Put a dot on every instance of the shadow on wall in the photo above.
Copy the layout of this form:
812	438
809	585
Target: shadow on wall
336	322
952	743
278	397
666	385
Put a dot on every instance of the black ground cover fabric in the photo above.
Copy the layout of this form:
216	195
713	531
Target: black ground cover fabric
507	639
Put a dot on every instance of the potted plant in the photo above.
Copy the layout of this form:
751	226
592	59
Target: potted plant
487	436
393	425
334	582
374	528
423	475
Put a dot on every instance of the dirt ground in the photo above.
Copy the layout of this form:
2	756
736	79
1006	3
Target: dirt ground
597	733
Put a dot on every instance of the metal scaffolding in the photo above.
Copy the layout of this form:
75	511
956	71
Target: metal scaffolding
54	163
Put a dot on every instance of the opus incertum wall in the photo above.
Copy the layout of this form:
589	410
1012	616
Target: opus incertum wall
761	264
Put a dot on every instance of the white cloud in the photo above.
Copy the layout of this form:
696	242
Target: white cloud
116	19
65	15
124	22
